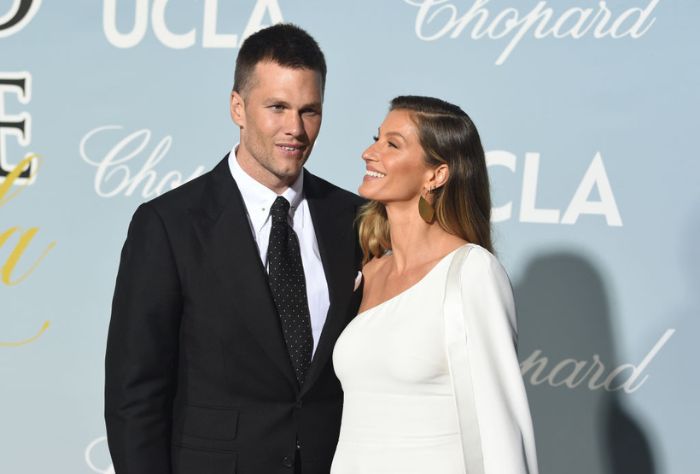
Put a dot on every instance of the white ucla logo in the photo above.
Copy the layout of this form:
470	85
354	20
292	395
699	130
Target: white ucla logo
594	181
210	37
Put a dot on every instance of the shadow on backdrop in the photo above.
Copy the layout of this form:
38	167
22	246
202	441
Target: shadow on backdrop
676	389
564	312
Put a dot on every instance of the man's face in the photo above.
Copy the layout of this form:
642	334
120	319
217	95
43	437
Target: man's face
279	115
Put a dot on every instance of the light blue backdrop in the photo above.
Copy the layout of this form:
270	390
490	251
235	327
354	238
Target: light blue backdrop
588	112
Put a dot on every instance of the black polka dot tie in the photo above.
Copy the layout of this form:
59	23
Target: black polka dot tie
288	285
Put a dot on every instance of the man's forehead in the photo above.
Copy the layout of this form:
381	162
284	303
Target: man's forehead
270	73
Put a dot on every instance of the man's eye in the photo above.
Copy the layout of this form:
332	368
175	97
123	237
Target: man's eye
277	107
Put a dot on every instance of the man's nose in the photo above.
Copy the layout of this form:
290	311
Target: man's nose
294	125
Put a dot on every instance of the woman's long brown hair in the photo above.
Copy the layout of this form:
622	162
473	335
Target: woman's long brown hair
463	204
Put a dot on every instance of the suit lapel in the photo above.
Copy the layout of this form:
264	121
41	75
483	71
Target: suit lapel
335	237
226	235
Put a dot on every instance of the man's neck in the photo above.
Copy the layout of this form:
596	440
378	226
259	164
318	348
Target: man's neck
263	176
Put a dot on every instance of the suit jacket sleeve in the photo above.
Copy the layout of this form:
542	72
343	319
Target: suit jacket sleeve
142	349
495	424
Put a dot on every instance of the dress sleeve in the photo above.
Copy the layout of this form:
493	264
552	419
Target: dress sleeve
481	336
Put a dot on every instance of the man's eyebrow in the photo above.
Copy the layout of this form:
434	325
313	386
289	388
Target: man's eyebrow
313	105
275	100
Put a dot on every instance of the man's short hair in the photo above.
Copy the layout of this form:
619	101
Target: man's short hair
285	44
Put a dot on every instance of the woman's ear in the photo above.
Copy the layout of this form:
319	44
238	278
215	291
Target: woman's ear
440	175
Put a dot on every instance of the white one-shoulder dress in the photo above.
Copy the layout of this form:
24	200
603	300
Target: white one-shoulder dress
431	378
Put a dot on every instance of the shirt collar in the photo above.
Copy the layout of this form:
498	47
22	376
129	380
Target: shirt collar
258	198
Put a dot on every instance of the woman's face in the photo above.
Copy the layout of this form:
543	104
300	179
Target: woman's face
396	169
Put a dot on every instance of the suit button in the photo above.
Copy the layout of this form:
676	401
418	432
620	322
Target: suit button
287	461
298	404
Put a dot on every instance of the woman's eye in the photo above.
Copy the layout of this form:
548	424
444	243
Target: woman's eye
391	144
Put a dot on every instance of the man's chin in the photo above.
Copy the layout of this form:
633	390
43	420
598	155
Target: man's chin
288	175
289	170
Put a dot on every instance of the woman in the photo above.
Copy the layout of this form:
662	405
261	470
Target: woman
429	367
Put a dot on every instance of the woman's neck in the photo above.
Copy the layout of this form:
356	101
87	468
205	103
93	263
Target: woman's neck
413	241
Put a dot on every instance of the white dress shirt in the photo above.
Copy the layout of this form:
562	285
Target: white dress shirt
258	199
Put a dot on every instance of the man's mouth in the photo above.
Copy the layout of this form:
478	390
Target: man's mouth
292	148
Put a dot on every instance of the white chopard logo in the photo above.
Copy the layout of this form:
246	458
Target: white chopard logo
437	19
114	163
572	373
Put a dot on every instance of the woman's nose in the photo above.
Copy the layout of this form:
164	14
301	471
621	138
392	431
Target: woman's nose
369	153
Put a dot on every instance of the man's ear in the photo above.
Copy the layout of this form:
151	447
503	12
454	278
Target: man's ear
237	109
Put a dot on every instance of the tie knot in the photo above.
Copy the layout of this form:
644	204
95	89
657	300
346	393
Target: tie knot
279	210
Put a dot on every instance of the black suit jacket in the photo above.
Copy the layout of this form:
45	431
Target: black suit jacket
198	377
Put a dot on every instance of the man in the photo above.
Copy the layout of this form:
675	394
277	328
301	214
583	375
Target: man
232	290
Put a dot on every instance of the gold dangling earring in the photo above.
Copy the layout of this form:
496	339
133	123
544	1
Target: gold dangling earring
425	209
